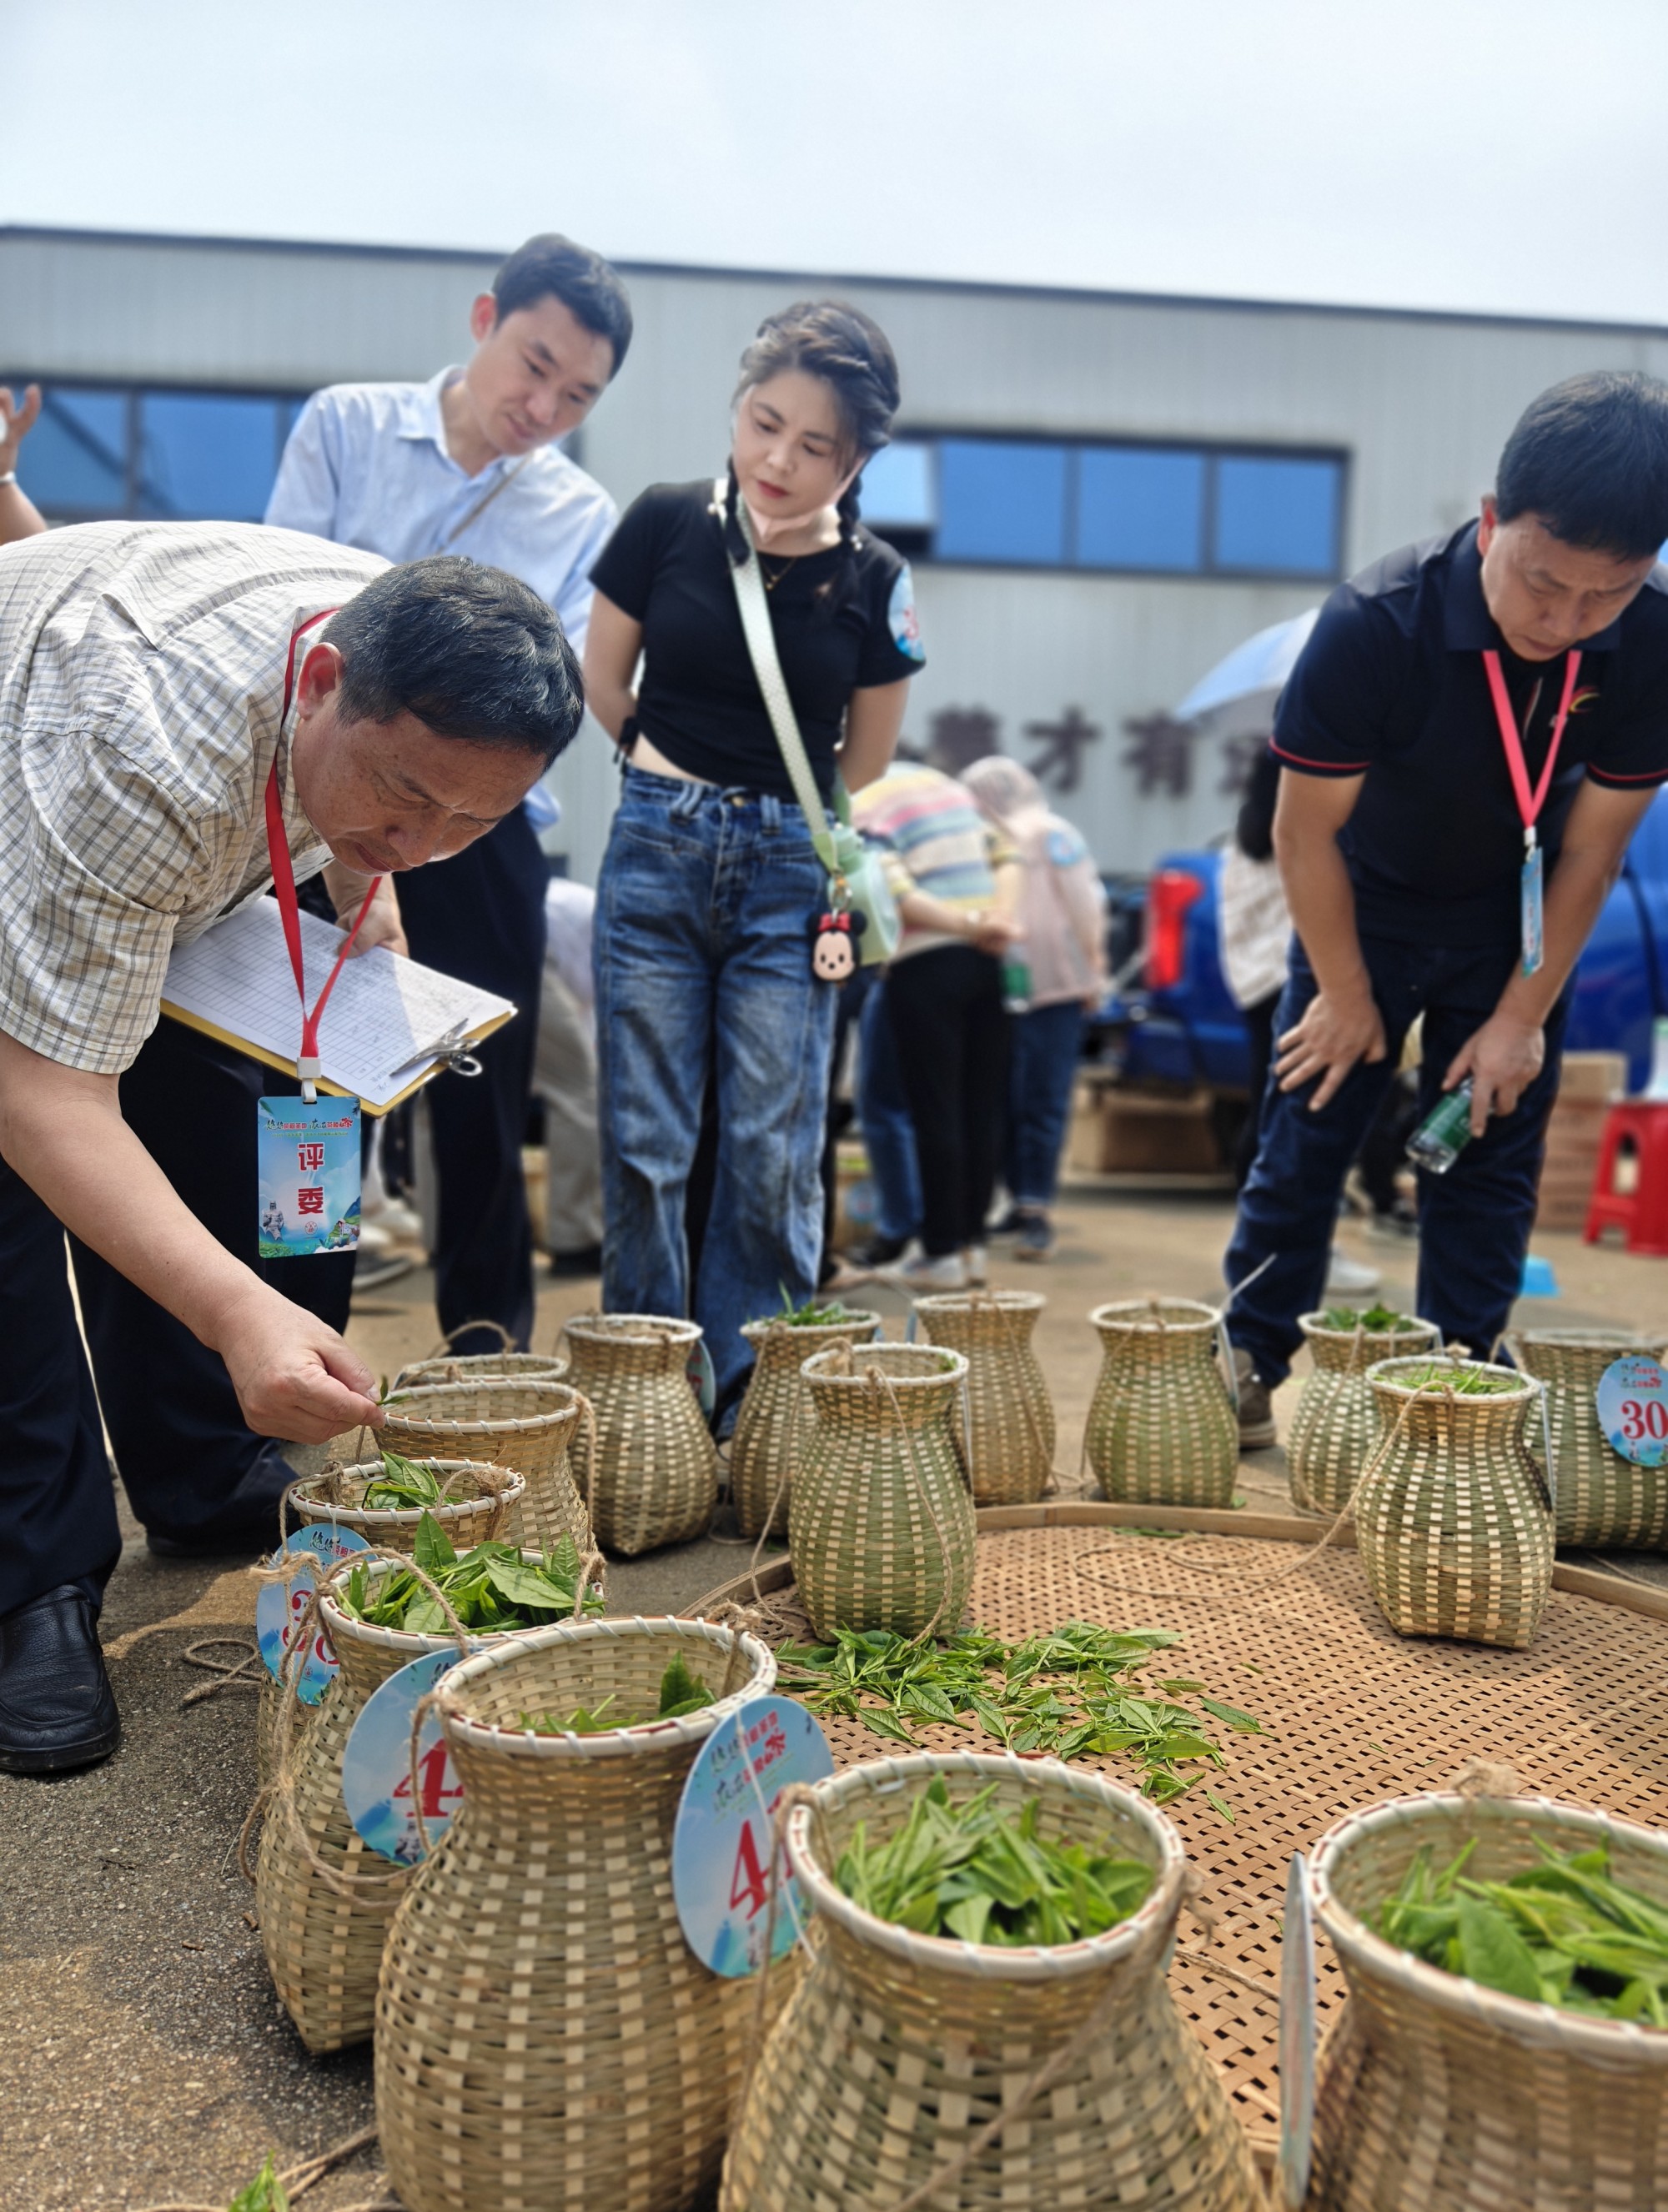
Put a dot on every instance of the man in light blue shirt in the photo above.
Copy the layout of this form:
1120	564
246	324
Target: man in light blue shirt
468	463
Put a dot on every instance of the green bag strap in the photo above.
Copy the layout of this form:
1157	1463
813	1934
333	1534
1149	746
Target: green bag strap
760	632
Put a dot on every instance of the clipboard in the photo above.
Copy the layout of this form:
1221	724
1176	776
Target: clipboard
381	1035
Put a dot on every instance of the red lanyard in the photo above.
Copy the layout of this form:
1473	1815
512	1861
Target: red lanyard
1529	803
283	883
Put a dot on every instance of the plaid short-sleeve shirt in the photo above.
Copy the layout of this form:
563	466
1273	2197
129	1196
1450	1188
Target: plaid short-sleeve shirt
141	694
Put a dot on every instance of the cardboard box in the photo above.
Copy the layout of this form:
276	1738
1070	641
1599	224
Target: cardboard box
1115	1132
1587	1084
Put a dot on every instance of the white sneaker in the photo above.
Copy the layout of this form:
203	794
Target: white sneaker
1347	1278
977	1260
945	1274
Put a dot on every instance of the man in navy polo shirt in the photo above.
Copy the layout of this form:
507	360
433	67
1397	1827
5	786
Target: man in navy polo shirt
1472	732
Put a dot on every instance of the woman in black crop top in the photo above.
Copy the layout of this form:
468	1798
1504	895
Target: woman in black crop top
709	886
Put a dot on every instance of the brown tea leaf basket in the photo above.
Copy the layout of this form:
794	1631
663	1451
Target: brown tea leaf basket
770	1429
1010	1446
1335	1426
650	1472
1437	2093
527	1424
880	1529
896	2049
1452	1520
545	2037
1161	1428
1599	1497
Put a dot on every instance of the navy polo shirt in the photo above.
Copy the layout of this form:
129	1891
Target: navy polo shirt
1391	684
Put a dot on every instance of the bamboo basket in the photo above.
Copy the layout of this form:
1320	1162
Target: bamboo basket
488	1495
895	2049
881	1531
323	1897
1010	1445
649	1471
1161	1428
1598	1497
1438	2094
525	1424
445	1365
1450	1518
545	2037
1335	1426
767	1440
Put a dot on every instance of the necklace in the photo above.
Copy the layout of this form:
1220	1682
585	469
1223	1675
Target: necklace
771	581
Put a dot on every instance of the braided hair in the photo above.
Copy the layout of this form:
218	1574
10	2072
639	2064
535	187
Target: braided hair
853	356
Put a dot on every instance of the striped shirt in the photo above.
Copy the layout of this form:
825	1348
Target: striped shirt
141	691
931	839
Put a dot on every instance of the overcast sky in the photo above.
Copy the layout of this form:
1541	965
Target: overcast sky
1500	155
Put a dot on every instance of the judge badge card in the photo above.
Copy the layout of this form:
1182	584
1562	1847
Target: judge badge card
308	1174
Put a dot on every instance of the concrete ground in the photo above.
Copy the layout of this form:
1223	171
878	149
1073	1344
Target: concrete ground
144	2060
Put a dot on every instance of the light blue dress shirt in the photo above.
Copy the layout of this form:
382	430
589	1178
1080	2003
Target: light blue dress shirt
366	466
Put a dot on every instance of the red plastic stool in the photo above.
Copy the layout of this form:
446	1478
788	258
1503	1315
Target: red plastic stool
1630	1187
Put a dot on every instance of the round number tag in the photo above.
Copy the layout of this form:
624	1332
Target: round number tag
723	1843
279	1607
376	1765
1633	1409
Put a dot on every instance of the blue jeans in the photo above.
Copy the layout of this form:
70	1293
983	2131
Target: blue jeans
1047	1044
703	958
883	1112
1474	1222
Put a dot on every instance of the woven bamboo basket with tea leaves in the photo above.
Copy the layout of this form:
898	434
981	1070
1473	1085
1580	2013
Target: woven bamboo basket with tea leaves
1599	1496
1161	1428
445	1365
1439	2093
881	1529
771	1427
525	1424
649	1471
545	2038
1010	1446
323	1897
1335	1426
896	2049
1452	1520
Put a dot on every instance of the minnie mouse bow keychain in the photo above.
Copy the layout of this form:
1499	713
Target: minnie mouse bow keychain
834	945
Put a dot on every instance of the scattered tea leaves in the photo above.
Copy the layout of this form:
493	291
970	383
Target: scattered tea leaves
265	2193
969	1871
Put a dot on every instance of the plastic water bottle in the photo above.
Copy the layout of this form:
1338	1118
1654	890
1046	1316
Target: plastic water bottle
1016	983
1444	1133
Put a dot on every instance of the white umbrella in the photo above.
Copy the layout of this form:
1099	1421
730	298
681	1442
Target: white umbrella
1261	665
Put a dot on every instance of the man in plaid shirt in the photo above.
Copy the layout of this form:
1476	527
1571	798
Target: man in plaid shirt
141	682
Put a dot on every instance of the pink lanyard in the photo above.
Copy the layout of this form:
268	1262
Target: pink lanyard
1529	803
283	883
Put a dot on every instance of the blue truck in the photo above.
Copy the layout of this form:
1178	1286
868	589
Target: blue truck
1173	1021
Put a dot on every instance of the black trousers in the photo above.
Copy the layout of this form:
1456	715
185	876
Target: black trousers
185	1457
480	917
948	1023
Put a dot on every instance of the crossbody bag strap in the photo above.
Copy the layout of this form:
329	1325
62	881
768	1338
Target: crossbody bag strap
760	633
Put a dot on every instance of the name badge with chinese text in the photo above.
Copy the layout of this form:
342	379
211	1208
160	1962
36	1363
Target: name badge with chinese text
1534	925
307	1177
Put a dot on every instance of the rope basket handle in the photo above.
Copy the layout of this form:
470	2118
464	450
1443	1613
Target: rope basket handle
463	1329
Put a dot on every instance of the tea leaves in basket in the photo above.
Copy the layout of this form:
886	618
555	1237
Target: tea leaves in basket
492	1587
1377	1321
1561	1933
810	1315
971	1872
1464	1382
681	1693
402	1484
1066	1693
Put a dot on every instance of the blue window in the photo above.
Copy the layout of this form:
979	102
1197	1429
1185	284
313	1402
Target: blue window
1140	507
1279	517
1001	501
208	455
898	486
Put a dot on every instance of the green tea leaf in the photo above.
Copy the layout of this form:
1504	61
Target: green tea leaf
1493	1952
433	1548
265	2193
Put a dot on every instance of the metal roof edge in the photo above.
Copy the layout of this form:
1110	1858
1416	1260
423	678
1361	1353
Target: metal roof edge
972	287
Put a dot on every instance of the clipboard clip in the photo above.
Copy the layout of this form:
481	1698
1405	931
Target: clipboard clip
449	1049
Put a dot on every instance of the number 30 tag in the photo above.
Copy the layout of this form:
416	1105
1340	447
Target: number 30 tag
1633	1409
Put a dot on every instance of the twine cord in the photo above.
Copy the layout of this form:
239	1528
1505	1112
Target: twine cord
296	2180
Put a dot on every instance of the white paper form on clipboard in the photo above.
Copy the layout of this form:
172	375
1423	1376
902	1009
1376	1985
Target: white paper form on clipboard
390	1024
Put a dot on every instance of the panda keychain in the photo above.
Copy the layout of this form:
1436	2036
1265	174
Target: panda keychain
834	945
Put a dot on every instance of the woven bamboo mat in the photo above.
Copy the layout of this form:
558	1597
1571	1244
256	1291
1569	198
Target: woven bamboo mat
1352	1712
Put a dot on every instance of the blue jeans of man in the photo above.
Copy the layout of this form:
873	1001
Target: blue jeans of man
1047	1042
703	958
888	1132
1474	1222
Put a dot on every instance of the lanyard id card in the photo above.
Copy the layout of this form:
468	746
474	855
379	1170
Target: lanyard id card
1532	880
307	1148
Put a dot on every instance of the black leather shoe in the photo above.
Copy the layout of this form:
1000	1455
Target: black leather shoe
56	1708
